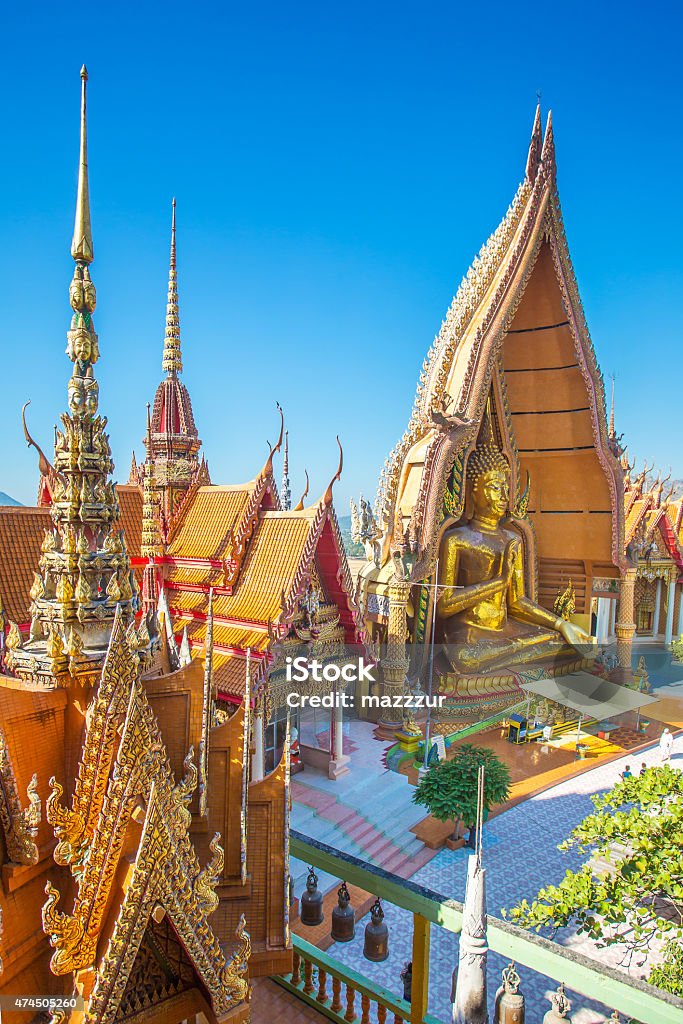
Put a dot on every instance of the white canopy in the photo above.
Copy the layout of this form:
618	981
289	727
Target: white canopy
591	696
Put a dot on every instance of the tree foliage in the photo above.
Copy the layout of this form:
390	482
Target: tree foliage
631	889
449	788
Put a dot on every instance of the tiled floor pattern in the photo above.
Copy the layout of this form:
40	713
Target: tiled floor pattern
520	848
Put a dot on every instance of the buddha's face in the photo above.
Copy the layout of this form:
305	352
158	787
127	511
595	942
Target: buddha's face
83	346
491	493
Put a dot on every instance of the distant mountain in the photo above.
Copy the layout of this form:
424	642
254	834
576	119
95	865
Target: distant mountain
6	500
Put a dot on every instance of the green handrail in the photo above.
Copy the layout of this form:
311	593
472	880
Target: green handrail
588	977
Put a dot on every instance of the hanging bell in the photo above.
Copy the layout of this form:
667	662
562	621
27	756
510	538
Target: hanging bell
311	911
509	1005
561	1007
343	917
376	947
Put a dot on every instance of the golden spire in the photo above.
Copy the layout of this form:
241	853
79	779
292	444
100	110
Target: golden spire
172	361
81	246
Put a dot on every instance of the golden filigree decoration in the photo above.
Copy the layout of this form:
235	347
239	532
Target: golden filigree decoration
182	793
235	975
68	827
207	880
73	948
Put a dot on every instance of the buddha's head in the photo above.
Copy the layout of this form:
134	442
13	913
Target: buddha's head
489	476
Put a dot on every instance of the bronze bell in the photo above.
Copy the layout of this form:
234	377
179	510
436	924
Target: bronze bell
343	917
509	1006
311	911
376	947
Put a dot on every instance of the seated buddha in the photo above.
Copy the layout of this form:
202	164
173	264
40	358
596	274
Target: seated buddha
484	617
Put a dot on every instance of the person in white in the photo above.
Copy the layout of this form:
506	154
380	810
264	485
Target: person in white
666	742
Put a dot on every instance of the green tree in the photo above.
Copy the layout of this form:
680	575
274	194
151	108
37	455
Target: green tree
448	789
631	888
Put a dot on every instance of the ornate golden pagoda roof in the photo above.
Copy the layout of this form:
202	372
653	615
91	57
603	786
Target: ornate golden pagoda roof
516	335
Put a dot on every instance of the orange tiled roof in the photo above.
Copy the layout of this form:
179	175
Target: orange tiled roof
634	516
205	528
203	577
21	534
226	635
22	528
130	503
229	673
273	556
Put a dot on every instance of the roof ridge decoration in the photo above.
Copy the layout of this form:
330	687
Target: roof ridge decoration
267	470
327	497
85	570
172	360
299	507
48	474
243	531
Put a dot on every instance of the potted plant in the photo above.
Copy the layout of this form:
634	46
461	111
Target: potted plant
448	789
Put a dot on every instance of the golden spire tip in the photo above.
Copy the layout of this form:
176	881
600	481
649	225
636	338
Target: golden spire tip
81	246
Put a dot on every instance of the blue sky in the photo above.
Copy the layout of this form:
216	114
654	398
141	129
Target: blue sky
336	168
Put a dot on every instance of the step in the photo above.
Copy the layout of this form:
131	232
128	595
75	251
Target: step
379	848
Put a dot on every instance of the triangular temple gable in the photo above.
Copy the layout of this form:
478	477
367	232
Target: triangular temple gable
554	413
157	885
162	971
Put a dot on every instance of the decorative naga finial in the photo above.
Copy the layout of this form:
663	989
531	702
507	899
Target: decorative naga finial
81	246
534	158
172	361
268	468
327	497
299	507
44	464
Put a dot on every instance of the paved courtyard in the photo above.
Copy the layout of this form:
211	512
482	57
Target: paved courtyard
520	853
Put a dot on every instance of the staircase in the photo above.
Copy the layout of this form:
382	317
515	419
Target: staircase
371	820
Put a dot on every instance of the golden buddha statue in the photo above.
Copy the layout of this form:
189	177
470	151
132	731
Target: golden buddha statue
484	617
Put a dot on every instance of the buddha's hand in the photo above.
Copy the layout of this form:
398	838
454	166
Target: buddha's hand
574	635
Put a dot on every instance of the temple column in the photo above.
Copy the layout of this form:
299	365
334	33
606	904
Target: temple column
670	598
679	626
258	761
625	627
612	618
395	664
339	761
658	607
